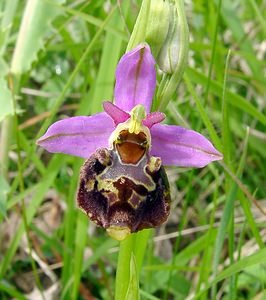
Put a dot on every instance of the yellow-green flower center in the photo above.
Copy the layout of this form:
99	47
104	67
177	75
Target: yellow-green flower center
135	122
133	126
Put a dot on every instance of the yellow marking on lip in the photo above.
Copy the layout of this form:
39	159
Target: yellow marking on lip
118	233
137	203
138	114
89	185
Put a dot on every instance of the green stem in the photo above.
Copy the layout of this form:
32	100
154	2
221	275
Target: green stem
6	131
139	31
140	246
123	268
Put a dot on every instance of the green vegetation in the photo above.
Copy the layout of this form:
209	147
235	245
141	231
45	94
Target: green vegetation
60	61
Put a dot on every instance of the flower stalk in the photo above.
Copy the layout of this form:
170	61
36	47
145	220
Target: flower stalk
123	267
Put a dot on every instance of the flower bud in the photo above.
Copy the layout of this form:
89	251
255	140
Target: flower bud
167	33
169	54
158	25
172	58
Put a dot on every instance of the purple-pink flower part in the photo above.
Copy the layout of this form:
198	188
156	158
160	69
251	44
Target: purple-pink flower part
135	84
135	79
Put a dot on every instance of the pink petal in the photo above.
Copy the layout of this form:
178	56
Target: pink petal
153	118
79	136
117	114
135	79
182	147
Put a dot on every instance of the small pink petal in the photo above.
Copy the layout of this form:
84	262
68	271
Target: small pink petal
182	147
135	79
153	118
79	136
117	114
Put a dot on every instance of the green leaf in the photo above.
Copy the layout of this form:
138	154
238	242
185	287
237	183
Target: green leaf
8	13
35	26
5	100
258	258
133	285
233	99
4	189
139	31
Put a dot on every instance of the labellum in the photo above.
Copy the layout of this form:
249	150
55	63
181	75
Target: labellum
123	185
125	189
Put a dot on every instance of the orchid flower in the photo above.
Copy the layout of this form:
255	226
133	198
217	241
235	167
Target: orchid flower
123	185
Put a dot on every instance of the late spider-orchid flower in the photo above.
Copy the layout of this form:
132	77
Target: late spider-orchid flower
123	185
